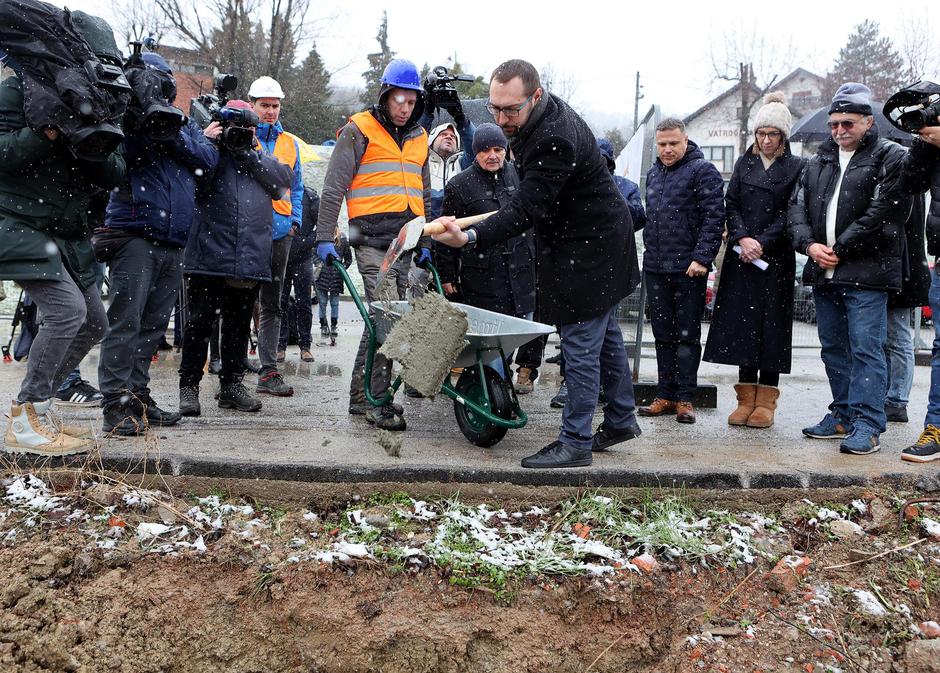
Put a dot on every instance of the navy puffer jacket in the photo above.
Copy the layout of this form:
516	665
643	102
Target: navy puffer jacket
685	213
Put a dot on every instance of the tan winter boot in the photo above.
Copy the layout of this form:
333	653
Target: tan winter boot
765	404
746	393
524	381
30	432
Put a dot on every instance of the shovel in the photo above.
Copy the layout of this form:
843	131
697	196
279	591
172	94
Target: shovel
412	232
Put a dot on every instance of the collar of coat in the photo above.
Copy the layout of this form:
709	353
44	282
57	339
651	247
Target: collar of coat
546	104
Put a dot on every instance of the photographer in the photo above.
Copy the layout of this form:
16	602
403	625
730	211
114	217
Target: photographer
228	254
44	246
146	228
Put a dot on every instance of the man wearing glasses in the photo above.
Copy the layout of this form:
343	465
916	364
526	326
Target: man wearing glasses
585	250
847	216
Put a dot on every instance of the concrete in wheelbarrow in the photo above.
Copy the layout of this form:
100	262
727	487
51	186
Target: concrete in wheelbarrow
311	437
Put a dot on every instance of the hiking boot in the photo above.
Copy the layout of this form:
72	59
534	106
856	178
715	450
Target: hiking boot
684	412
606	437
746	393
524	381
830	427
386	418
361	408
271	383
324	329
658	407
30	432
79	394
334	331
765	406
235	395
306	355
558	454
157	416
926	448
561	397
123	417
896	414
860	442
189	401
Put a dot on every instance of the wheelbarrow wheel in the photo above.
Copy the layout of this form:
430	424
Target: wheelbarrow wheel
475	427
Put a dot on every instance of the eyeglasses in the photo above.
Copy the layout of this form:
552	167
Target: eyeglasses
511	112
773	135
847	124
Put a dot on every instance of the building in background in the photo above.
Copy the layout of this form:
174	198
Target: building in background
193	72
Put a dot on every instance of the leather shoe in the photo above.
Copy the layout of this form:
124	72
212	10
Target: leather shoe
606	437
685	413
558	454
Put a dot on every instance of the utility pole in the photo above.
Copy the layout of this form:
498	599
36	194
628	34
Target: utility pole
747	81
636	103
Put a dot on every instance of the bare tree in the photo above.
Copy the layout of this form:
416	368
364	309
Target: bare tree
753	60
559	83
137	19
918	46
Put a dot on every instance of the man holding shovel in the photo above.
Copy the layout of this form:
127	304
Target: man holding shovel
380	167
585	252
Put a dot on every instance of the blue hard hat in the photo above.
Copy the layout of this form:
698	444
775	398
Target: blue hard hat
402	74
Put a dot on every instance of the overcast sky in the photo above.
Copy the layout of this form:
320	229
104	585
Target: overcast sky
597	47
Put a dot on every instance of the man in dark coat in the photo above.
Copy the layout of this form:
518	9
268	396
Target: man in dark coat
299	276
501	278
44	246
228	254
585	253
685	215
920	171
146	227
847	217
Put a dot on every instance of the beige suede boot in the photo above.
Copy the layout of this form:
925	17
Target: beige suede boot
746	394
765	405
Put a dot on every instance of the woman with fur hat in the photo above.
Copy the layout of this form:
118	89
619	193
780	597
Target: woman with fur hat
752	326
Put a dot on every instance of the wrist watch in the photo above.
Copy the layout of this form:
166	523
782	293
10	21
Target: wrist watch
471	237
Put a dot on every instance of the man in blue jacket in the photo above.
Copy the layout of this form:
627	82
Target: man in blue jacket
685	214
146	226
266	95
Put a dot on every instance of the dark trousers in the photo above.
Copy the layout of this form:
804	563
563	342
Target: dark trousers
269	324
299	276
145	279
210	297
676	303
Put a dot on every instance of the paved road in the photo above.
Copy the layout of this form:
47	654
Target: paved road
310	437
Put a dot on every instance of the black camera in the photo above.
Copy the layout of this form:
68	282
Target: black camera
151	112
440	88
107	76
206	108
238	134
914	107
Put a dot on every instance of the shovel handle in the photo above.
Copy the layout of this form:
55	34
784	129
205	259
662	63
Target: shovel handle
462	222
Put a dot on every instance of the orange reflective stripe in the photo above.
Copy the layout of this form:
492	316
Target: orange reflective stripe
285	151
389	178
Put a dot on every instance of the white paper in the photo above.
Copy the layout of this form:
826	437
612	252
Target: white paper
759	263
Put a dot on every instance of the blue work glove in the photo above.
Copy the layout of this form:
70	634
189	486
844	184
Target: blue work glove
423	258
326	250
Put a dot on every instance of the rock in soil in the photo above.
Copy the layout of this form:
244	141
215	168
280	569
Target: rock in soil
923	656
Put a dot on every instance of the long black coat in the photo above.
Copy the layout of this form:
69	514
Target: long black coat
502	277
752	325
585	251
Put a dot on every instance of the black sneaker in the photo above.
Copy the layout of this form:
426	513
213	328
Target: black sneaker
123	418
156	415
79	394
272	383
324	330
606	437
896	414
559	454
386	418
926	448
189	401
236	396
554	359
561	397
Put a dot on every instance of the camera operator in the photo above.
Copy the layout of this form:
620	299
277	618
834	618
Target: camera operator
146	227
920	171
44	246
228	254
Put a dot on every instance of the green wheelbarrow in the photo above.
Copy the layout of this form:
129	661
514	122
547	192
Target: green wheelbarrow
485	403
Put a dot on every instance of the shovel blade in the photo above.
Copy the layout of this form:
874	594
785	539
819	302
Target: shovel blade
407	239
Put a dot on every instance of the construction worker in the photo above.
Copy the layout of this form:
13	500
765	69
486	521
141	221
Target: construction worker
265	95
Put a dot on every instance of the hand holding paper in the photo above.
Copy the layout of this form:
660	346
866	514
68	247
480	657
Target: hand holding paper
759	263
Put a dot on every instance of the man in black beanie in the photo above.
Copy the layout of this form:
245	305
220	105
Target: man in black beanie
847	217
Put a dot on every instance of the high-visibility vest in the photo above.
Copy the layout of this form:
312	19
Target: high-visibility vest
389	178
285	151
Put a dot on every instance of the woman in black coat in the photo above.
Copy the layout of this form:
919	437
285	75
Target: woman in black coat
752	325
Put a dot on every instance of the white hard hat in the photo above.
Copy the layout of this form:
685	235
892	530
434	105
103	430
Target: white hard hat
265	87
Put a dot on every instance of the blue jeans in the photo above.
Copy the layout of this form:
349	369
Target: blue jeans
933	399
74	377
853	325
333	299
594	357
899	351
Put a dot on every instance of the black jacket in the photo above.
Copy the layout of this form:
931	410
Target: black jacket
304	241
752	325
920	171
585	251
685	213
499	278
872	211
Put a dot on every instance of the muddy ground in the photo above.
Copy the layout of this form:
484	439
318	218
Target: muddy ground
98	574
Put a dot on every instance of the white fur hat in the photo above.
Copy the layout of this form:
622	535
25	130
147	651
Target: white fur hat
774	113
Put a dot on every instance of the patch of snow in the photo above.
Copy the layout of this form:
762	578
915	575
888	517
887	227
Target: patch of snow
868	603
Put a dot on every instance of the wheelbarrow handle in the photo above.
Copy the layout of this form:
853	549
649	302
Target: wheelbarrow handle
462	222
